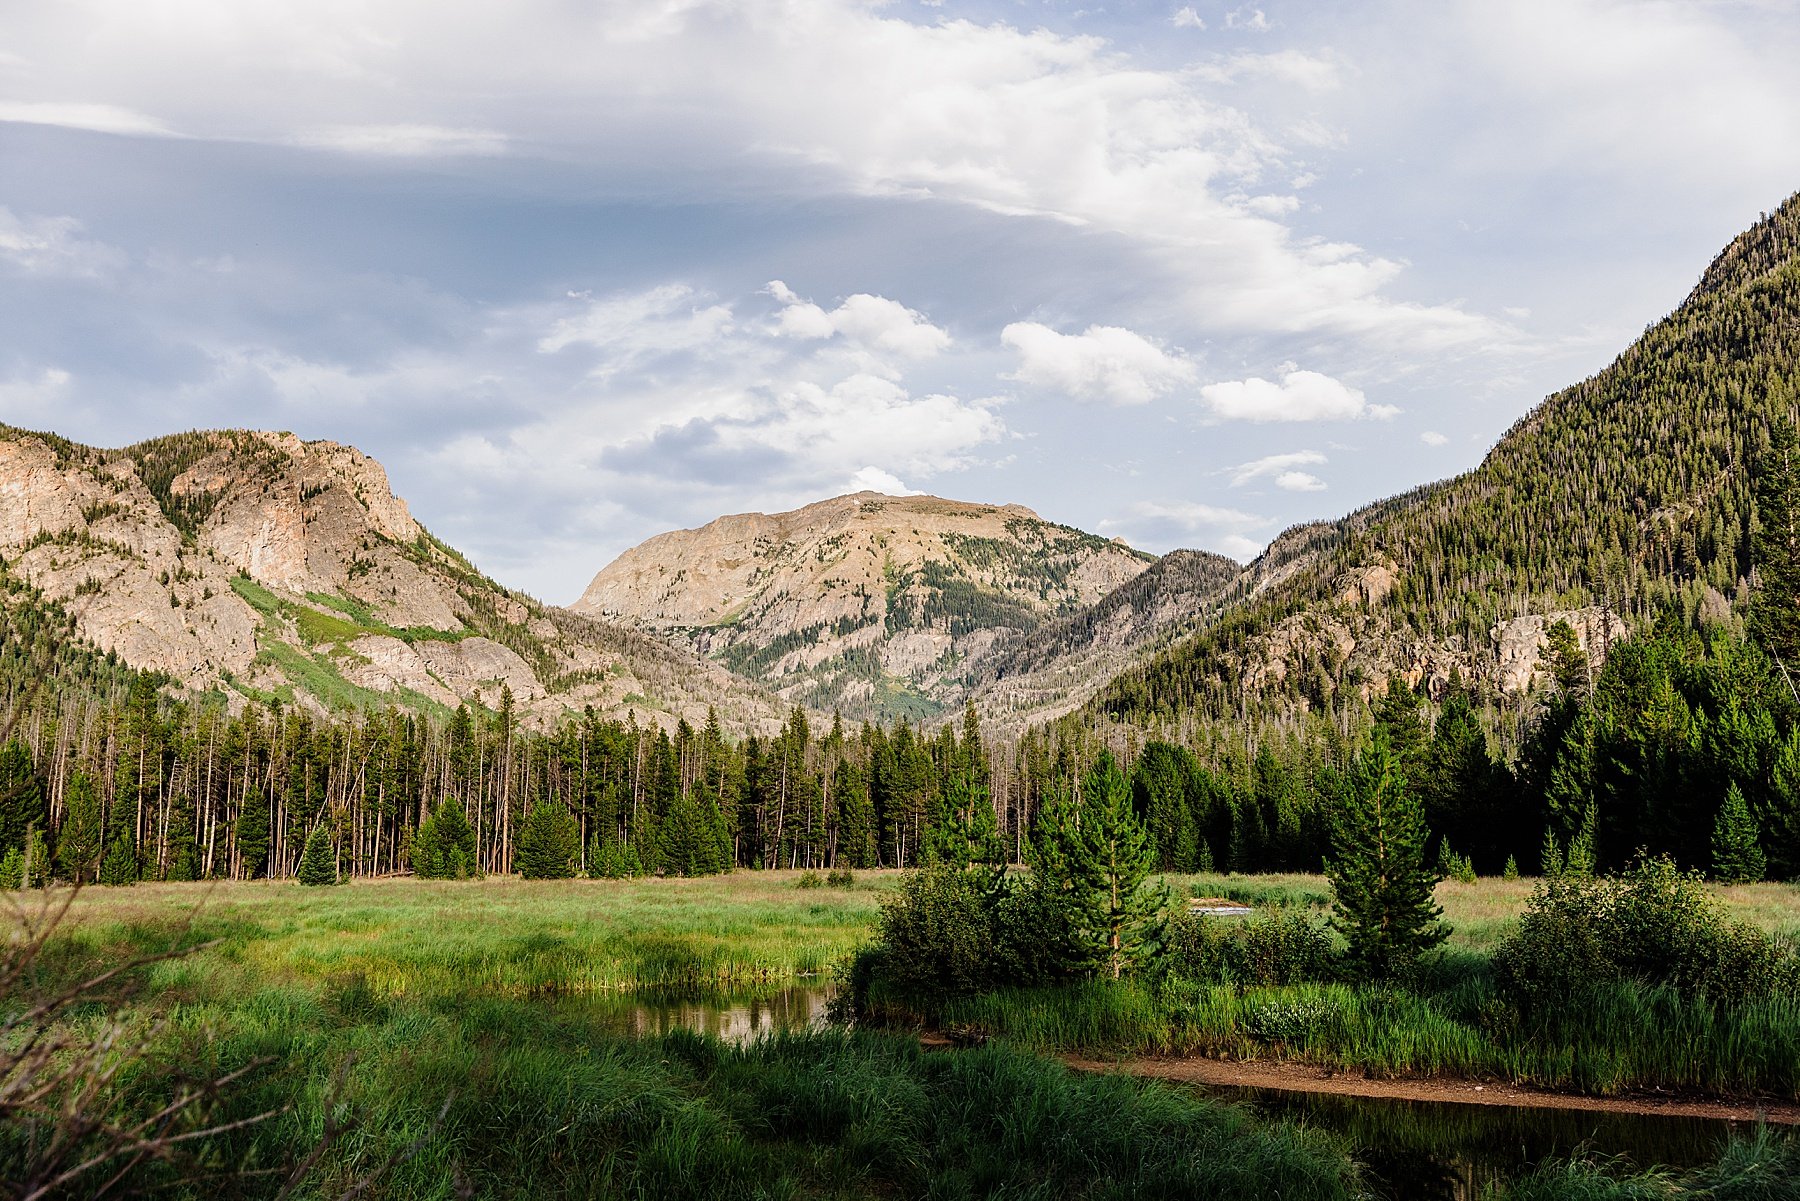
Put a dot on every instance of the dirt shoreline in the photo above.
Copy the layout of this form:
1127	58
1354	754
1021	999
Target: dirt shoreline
1294	1077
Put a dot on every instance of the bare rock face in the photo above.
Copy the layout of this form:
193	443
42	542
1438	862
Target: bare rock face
870	604
262	565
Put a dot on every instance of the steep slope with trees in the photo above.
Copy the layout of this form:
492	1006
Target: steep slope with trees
1627	492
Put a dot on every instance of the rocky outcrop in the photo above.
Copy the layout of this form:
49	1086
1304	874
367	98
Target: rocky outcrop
869	604
262	565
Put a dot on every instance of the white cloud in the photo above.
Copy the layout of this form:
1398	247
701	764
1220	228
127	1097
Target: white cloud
1187	18
828	96
96	118
1253	19
872	323
53	246
668	318
1191	523
874	479
1433	438
406	141
1296	396
1103	363
1299	481
1273	465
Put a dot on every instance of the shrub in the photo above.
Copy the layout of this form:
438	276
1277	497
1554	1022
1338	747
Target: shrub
935	935
840	877
810	879
1278	946
1654	925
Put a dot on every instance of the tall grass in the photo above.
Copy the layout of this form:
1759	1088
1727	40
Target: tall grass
1619	1038
501	936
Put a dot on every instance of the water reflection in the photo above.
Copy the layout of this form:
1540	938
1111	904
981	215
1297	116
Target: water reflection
730	1017
1451	1151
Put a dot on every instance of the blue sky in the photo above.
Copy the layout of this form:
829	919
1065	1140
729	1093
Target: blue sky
581	272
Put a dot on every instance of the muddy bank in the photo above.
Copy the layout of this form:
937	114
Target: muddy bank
1287	1076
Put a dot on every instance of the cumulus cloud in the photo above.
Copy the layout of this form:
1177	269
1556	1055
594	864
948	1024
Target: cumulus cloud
52	246
1103	363
1433	438
1299	481
1279	467
1191	523
628	328
1296	396
874	479
872	323
1186	18
829	96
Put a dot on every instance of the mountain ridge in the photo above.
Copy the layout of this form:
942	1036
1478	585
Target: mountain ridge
265	567
869	604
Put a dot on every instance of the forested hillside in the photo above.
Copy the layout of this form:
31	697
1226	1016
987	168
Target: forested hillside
1615	497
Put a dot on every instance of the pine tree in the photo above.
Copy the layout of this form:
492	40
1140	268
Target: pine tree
1736	854
1109	857
12	870
444	848
78	845
548	843
318	862
119	865
1383	902
22	802
37	859
1775	547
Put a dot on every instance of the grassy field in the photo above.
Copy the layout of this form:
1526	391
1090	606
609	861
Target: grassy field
462	1029
502	936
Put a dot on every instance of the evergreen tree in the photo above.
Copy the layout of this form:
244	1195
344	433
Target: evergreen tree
22	803
252	831
12	870
444	848
1737	857
318	862
78	844
1775	547
119	865
1567	662
1383	902
548	843
38	868
1109	857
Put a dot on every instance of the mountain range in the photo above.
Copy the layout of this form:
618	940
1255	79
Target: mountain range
263	567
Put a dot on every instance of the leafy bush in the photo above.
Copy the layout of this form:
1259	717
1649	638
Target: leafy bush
810	879
1654	925
840	877
1277	946
935	934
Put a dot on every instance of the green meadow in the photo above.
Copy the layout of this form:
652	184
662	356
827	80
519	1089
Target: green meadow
413	1039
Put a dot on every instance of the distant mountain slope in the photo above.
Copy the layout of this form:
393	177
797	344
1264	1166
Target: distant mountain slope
1618	494
873	605
269	567
1062	662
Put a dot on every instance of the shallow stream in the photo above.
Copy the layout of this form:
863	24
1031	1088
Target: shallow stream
1412	1150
